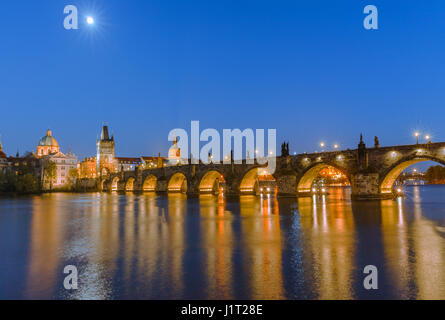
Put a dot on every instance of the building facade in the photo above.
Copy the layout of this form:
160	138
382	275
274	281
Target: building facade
87	168
3	160
127	163
153	162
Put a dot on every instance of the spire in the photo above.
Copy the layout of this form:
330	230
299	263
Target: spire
104	134
49	133
361	145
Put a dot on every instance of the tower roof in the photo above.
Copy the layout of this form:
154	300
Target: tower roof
104	135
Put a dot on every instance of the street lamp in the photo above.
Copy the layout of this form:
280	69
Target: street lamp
335	146
417	134
427	138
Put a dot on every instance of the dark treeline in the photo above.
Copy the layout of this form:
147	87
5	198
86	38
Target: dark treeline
435	175
22	180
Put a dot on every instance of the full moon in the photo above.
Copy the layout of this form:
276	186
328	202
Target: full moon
90	20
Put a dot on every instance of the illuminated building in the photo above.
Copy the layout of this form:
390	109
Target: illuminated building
153	162
48	151
105	161
87	168
174	154
333	176
127	163
3	159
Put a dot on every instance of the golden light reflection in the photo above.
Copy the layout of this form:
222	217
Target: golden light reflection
429	254
46	238
396	244
330	249
261	247
217	235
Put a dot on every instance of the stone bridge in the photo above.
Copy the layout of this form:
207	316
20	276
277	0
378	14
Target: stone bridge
371	172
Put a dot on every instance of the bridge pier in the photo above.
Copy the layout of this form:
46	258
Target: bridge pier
161	185
366	186
287	185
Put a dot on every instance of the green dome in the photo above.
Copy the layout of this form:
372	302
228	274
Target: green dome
48	140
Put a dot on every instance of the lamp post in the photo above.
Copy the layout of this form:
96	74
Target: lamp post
427	138
417	134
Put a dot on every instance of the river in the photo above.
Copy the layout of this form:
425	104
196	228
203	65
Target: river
148	246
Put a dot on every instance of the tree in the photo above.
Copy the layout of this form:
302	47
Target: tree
27	183
73	175
50	173
19	182
435	174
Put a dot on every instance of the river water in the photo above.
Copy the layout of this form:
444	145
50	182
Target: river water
148	246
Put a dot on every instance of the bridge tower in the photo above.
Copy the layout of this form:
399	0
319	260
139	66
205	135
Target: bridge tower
105	153
364	182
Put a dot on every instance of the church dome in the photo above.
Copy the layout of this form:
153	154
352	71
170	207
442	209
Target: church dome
48	140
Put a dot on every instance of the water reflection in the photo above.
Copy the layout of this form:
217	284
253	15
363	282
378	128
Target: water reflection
261	247
329	233
218	240
150	246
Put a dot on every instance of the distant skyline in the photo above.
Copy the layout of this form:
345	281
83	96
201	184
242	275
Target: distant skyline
308	69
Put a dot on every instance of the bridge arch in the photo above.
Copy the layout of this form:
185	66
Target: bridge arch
212	182
177	183
391	175
149	184
257	181
114	186
104	185
304	184
129	184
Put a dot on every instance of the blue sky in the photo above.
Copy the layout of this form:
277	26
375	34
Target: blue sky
307	68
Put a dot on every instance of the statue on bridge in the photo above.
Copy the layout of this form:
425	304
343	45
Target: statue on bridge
285	149
376	142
